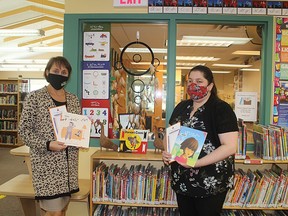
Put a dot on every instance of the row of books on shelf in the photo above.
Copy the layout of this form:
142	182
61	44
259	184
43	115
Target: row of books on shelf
136	184
8	125
8	113
134	211
253	213
270	142
8	87
8	139
266	188
148	211
8	99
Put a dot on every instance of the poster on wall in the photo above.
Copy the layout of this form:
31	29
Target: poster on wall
184	6
97	111
95	80
246	106
280	102
96	46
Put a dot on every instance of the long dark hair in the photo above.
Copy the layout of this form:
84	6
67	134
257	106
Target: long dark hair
208	75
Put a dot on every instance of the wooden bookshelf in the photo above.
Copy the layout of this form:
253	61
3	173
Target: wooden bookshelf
151	156
154	158
10	93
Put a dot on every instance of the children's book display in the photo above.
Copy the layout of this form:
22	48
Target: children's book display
134	184
270	142
185	143
133	141
259	189
69	128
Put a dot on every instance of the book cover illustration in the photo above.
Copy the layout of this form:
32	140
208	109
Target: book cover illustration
56	116
74	130
133	141
188	145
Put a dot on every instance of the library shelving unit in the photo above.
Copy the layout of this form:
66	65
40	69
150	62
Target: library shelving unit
156	159
111	157
253	163
10	92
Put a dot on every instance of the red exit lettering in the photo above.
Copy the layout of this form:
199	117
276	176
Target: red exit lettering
123	2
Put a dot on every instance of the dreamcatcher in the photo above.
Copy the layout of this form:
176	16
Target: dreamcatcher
139	92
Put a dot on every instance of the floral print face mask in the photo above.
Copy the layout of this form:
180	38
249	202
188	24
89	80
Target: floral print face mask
196	92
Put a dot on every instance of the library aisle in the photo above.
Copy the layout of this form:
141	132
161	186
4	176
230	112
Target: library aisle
10	166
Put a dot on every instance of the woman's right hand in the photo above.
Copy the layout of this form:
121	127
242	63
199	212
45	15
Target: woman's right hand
166	157
57	146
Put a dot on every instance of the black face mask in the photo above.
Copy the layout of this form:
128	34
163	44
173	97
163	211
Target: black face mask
57	81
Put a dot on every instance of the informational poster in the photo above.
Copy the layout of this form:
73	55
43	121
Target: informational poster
184	6
215	6
244	7
284	71
283	115
96	115
259	7
280	102
95	84
229	6
96	46
246	106
274	7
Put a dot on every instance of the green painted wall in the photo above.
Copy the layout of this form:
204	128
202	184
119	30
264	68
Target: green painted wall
73	49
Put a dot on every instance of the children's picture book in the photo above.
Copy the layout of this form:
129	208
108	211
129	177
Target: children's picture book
171	135
56	115
133	141
74	130
187	146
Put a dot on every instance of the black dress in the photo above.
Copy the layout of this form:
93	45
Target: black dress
215	117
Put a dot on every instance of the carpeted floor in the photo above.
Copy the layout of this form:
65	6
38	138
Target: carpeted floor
10	166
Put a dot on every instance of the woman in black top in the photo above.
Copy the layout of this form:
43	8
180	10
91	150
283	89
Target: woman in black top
201	190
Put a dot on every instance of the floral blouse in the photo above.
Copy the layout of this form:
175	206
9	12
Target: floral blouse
214	117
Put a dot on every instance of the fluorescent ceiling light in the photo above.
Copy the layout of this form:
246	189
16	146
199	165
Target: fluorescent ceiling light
23	69
216	40
165	63
144	50
250	69
232	65
242	52
195	58
22	66
21	32
31	49
221	72
24	61
198	43
189	68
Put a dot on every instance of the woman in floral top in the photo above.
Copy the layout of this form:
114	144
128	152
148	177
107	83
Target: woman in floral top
201	190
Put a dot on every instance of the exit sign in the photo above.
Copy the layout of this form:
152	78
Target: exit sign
130	3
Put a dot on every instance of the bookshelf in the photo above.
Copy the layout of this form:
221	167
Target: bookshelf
129	159
10	109
156	159
269	197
